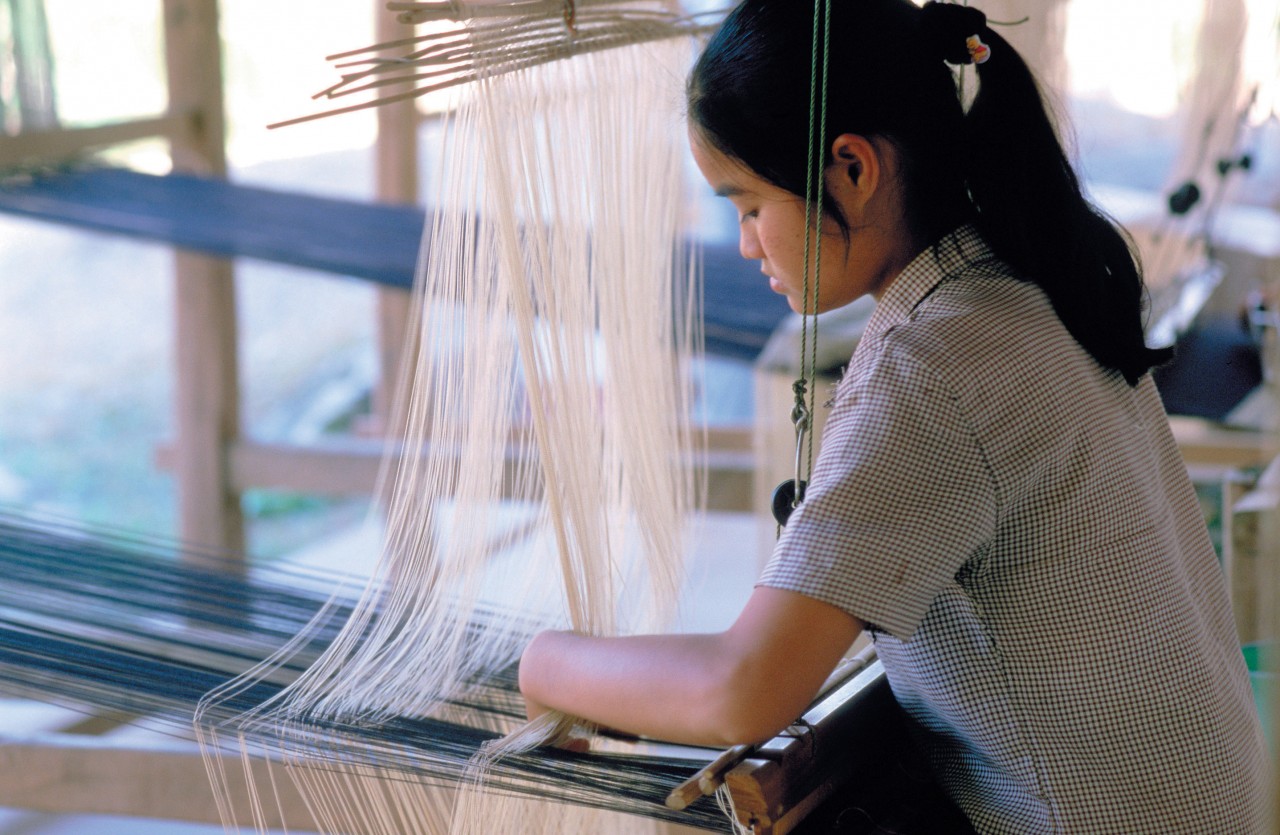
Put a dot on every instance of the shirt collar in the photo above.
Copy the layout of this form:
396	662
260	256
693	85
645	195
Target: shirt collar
951	254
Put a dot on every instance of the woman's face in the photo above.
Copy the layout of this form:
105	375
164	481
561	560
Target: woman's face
772	230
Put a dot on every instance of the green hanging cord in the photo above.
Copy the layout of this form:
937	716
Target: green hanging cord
817	261
790	493
806	388
809	195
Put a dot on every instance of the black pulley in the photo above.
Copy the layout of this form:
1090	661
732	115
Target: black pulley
786	498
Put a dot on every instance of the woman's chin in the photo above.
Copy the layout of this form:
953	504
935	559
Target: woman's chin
796	302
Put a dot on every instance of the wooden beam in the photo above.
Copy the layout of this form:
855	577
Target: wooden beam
57	146
165	779
62	774
1207	443
346	467
350	466
731	481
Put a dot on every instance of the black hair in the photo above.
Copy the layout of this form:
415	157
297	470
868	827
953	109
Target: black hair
999	164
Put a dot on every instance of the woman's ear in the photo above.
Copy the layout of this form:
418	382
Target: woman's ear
855	172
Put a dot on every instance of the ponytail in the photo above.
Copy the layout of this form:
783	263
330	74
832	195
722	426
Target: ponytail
1030	210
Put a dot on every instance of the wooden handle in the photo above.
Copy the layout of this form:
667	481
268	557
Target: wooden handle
708	778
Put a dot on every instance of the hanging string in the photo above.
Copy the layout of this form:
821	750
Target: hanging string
817	265
540	471
790	493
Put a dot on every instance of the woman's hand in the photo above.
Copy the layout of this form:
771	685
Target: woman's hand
578	744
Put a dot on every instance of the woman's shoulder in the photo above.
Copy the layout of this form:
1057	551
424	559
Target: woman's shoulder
983	319
994	346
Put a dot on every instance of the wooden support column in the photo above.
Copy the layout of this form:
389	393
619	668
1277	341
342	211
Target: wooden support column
206	388
396	168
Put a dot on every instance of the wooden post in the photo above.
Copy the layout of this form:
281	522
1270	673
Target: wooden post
206	388
396	170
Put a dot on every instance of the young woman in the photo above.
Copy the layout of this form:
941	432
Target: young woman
997	498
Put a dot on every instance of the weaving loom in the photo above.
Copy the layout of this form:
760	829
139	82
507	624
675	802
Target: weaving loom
86	198
134	627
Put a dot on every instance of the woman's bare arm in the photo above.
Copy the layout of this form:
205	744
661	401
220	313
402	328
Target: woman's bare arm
738	686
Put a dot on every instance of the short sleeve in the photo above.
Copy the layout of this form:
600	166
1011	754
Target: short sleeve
900	499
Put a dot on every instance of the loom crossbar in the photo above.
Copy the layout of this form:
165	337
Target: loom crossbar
377	242
372	241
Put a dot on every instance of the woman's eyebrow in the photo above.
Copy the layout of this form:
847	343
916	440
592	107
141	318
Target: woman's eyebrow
728	191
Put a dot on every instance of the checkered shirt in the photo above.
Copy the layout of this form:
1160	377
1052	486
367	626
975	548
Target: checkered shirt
1016	526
